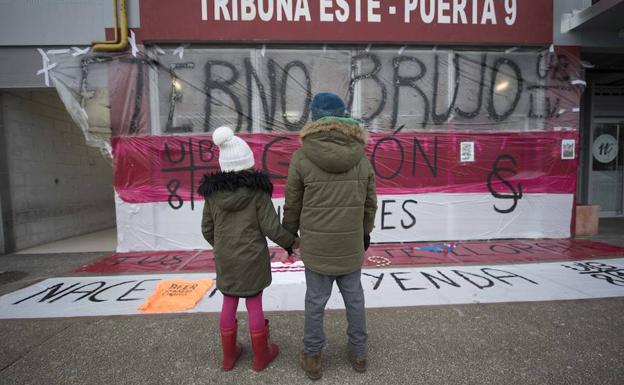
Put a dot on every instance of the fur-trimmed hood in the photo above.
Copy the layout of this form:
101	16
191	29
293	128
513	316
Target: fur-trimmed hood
347	126
334	144
234	190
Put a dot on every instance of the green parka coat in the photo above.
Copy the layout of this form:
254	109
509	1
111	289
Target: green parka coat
330	196
238	214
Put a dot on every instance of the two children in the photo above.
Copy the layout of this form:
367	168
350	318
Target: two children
330	200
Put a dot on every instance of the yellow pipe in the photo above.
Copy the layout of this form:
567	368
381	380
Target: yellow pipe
123	41
116	21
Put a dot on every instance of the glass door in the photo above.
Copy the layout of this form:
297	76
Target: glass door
606	176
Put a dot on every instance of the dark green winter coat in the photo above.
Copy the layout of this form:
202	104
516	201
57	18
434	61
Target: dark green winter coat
238	214
330	196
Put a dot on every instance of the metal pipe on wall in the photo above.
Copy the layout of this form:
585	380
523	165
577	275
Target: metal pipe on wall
121	40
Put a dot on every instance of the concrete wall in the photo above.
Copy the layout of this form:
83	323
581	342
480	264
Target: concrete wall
58	22
5	204
58	186
19	66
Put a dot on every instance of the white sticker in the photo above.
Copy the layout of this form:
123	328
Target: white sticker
467	152
568	147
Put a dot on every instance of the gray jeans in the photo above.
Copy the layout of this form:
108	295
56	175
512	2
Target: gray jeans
318	291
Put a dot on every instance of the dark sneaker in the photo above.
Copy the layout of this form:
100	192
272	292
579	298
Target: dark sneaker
359	364
311	365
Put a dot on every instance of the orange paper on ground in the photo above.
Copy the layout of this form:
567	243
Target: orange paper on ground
174	295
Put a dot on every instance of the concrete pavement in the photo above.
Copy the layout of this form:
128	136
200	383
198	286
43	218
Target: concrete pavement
575	342
561	342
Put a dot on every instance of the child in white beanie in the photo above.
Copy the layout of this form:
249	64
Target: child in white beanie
238	215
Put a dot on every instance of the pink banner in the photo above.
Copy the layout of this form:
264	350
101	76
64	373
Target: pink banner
169	168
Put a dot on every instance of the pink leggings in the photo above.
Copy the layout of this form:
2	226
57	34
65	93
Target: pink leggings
254	312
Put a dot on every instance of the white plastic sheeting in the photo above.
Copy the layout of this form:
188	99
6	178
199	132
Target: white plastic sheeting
390	287
400	218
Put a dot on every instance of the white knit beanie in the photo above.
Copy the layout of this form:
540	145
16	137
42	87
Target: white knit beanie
234	153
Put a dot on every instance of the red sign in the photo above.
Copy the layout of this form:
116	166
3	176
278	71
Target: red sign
523	22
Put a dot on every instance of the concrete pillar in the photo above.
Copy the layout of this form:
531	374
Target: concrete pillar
6	220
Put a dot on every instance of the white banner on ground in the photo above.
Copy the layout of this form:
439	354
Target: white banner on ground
400	218
391	287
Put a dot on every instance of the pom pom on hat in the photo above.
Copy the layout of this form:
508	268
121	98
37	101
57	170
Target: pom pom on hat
222	135
234	153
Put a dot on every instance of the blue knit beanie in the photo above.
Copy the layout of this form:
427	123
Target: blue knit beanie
327	104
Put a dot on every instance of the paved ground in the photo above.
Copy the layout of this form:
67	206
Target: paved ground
564	342
577	342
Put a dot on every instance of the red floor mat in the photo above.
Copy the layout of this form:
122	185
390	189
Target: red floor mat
469	252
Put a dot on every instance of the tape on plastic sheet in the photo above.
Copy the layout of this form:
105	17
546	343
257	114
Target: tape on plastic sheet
180	51
133	45
46	67
57	51
159	50
80	52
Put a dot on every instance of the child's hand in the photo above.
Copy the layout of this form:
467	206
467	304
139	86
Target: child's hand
296	244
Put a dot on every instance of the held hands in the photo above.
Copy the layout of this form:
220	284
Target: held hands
295	245
366	241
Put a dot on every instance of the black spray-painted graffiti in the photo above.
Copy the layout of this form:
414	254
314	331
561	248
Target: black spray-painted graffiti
486	278
612	274
558	69
92	291
85	64
552	72
162	261
184	160
229	87
412	158
497	169
176	97
197	157
408	154
409	217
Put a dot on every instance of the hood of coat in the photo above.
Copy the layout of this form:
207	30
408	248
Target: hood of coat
334	144
232	191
